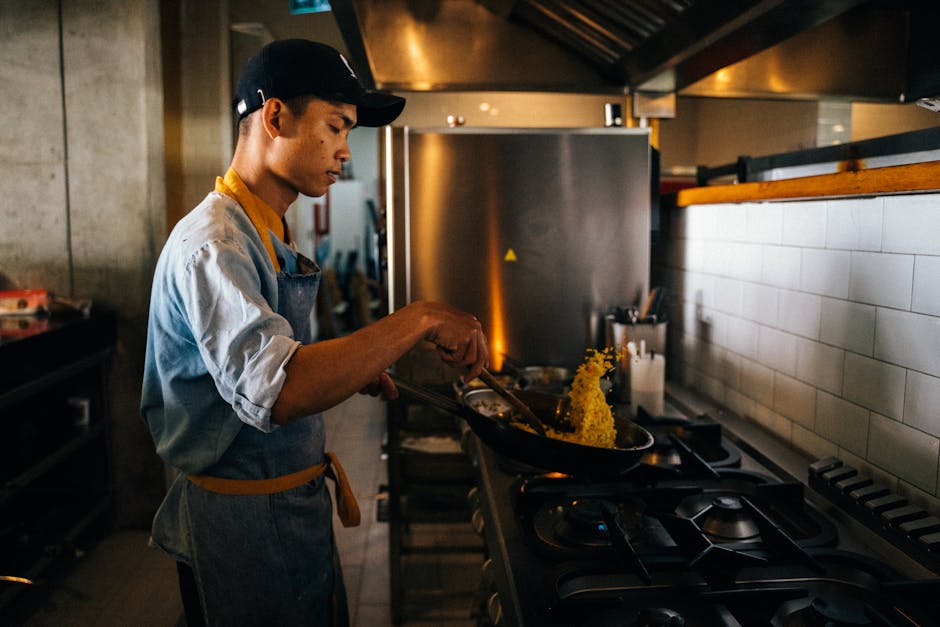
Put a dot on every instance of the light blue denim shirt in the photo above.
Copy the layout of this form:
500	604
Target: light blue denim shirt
216	348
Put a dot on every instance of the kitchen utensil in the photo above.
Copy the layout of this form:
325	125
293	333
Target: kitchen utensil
506	380
22	580
530	418
488	415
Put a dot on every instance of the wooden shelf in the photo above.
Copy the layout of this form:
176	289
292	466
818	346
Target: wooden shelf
900	179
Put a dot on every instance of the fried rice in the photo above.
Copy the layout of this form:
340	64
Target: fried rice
588	413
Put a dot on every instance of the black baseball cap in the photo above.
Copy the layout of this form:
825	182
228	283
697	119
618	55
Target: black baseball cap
297	67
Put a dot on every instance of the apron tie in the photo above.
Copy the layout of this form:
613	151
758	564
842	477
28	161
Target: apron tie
346	506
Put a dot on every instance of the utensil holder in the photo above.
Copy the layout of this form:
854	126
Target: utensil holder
618	335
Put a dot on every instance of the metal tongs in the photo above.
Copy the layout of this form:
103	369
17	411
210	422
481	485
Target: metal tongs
446	404
527	414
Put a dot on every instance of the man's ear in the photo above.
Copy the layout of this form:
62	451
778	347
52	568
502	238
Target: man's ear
271	116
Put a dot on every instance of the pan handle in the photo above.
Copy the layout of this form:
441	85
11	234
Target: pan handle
430	397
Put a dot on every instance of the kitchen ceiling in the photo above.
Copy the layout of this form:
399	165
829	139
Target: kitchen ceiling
878	51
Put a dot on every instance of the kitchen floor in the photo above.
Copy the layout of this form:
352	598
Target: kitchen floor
120	581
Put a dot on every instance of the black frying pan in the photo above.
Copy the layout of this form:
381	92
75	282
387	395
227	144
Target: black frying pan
488	416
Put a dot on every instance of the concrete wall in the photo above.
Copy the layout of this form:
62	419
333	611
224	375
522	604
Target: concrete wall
819	320
82	182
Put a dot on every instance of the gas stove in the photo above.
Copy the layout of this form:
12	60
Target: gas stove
705	531
696	519
836	588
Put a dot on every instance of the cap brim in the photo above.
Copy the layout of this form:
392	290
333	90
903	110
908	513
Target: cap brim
378	108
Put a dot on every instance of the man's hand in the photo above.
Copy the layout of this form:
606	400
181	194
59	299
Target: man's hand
459	339
383	386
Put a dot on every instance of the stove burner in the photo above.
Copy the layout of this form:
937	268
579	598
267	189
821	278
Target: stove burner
582	523
662	454
829	612
658	617
727	519
580	527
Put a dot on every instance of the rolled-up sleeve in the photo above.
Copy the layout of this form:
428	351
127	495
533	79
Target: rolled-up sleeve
244	343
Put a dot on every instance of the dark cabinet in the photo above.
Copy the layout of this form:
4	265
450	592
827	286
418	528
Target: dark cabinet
55	457
430	476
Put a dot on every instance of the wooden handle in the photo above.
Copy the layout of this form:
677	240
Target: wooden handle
530	418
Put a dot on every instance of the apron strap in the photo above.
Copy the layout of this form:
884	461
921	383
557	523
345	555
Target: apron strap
346	506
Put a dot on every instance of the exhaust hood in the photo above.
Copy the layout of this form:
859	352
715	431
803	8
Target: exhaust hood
876	51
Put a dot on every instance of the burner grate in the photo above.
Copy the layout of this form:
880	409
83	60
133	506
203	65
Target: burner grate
848	590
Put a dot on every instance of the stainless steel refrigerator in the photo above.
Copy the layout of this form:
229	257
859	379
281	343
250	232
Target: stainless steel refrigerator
538	232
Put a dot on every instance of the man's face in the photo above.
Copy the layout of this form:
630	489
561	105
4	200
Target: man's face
309	153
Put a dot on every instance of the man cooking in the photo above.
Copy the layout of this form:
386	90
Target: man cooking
233	384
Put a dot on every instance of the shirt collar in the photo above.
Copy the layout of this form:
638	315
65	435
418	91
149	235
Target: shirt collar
264	218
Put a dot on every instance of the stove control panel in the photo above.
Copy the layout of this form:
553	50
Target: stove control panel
909	527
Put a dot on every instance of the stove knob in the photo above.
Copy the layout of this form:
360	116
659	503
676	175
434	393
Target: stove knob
494	607
473	498
838	474
476	521
489	574
465	437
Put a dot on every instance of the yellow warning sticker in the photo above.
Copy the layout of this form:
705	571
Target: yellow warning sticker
510	255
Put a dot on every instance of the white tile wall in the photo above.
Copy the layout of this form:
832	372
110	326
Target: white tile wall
911	225
825	272
804	223
908	339
799	313
780	266
715	256
700	288
778	350
926	297
733	222
694	254
881	279
764	222
817	446
795	400
820	365
905	452
730	296
848	325
747	262
874	384
757	382
820	320
743	338
774	422
701	221
922	403
740	404
759	303
842	422
855	224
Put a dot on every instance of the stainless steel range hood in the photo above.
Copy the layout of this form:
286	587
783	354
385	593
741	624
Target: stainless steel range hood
879	51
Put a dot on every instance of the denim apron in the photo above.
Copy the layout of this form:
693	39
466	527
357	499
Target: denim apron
270	559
